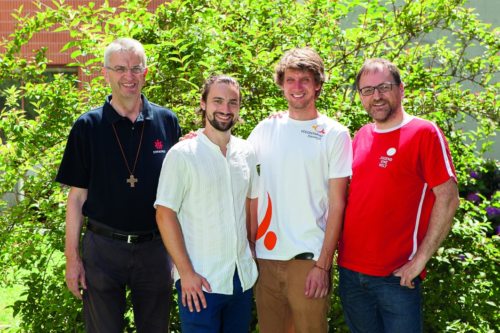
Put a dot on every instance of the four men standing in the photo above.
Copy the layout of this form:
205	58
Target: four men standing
402	199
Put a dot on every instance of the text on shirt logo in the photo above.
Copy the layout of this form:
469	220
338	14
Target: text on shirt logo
316	132
384	160
158	145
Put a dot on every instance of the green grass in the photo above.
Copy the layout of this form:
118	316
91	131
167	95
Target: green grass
7	297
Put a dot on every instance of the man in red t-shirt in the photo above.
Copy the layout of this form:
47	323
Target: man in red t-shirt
403	196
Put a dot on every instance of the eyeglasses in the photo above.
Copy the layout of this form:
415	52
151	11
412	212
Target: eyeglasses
382	88
123	69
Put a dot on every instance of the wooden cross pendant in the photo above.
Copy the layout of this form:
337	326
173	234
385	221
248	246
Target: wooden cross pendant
132	180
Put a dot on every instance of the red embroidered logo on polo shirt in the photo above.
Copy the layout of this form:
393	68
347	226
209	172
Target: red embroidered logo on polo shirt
158	144
158	147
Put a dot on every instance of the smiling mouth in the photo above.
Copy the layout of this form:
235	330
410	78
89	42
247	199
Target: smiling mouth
297	95
129	85
379	103
224	116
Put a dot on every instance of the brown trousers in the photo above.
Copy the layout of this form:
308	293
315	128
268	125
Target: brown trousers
282	306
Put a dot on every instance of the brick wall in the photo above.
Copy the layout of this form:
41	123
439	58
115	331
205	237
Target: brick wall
54	41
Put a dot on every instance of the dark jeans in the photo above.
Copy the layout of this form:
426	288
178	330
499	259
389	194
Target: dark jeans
113	265
224	313
379	304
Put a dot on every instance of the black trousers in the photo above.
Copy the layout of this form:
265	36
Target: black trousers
111	266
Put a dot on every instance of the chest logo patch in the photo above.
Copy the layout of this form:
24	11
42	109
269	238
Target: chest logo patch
158	147
316	132
384	161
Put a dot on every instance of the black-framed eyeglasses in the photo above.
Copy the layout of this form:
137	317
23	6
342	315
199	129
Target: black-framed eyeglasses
123	69
382	88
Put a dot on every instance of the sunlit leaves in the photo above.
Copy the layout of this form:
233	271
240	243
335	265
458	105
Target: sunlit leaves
449	63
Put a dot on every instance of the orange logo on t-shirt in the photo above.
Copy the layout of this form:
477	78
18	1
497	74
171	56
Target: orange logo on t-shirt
270	238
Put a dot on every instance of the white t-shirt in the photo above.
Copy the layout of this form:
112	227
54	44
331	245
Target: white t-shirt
297	159
208	193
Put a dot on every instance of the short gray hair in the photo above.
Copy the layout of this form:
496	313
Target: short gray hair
125	45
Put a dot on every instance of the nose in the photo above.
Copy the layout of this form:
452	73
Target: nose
376	94
128	73
230	108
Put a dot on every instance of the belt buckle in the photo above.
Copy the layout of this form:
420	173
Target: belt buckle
304	256
132	238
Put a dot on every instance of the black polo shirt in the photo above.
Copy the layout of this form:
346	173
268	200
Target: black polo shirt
93	160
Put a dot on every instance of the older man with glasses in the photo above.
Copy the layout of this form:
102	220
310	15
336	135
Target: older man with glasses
112	163
403	196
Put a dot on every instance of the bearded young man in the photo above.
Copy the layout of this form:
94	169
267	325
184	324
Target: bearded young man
204	190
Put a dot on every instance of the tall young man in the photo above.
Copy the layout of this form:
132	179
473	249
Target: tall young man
305	161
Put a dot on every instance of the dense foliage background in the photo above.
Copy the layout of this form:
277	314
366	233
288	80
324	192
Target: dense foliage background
432	41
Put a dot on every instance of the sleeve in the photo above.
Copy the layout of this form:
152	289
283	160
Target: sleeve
435	157
253	189
253	138
178	130
174	129
340	155
173	181
74	169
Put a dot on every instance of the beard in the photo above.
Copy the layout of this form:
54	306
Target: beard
221	126
382	114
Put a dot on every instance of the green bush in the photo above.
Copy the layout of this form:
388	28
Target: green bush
186	42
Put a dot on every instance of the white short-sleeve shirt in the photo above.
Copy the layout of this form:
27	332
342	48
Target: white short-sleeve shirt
208	191
296	160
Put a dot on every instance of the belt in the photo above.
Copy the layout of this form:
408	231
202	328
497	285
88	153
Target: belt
129	238
304	256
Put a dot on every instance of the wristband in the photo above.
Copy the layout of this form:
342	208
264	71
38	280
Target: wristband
323	269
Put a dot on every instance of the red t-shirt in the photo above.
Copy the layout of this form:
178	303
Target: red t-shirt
390	196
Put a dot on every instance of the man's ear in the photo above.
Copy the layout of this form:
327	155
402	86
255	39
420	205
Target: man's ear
105	72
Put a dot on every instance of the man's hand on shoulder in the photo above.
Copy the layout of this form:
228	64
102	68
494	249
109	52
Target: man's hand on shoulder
188	136
278	114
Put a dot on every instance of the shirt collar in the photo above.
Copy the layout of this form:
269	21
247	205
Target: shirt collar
112	116
406	119
208	142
